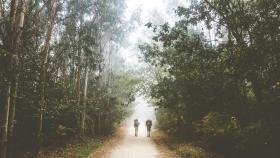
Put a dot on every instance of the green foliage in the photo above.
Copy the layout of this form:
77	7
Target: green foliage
189	151
85	33
74	149
84	151
220	91
215	123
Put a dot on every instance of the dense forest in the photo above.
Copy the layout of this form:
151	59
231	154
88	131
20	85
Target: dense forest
213	74
60	76
217	76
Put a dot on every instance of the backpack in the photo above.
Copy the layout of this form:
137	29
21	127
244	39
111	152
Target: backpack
136	123
149	123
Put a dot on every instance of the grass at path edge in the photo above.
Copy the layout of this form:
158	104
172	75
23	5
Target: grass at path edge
181	148
79	148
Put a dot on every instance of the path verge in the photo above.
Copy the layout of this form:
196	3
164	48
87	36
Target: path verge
108	144
172	147
74	149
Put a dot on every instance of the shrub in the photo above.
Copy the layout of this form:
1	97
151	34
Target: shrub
219	131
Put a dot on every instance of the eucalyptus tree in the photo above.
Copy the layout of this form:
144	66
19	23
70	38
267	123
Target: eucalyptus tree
55	60
11	31
88	34
51	11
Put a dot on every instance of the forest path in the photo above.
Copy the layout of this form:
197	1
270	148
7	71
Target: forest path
125	145
141	146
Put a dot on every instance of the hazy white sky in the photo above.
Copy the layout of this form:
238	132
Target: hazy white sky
155	11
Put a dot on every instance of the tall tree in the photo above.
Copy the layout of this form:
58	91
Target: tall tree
52	12
9	90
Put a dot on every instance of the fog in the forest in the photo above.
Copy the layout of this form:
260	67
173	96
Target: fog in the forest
139	13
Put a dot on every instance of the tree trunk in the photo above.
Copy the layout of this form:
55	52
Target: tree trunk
83	119
210	38
8	93
2	8
44	66
12	121
78	84
79	93
5	100
99	122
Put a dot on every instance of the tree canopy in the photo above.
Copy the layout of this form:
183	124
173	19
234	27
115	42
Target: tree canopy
60	75
224	91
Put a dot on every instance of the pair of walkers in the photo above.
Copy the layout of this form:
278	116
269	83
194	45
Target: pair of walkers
148	126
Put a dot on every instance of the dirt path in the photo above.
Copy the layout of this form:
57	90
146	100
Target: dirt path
126	145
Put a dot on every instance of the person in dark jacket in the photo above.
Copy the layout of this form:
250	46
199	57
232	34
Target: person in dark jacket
149	126
136	125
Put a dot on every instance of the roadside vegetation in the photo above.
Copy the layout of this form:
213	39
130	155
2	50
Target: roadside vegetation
75	149
217	77
61	77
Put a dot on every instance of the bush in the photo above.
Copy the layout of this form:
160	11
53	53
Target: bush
219	131
189	151
254	140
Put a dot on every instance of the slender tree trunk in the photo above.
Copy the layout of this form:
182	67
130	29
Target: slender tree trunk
14	81
99	121
2	8
5	94
79	91
12	121
83	119
45	51
210	38
214	32
78	84
72	72
229	35
8	93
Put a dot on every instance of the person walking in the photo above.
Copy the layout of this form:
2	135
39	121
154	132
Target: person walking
136	125
149	126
